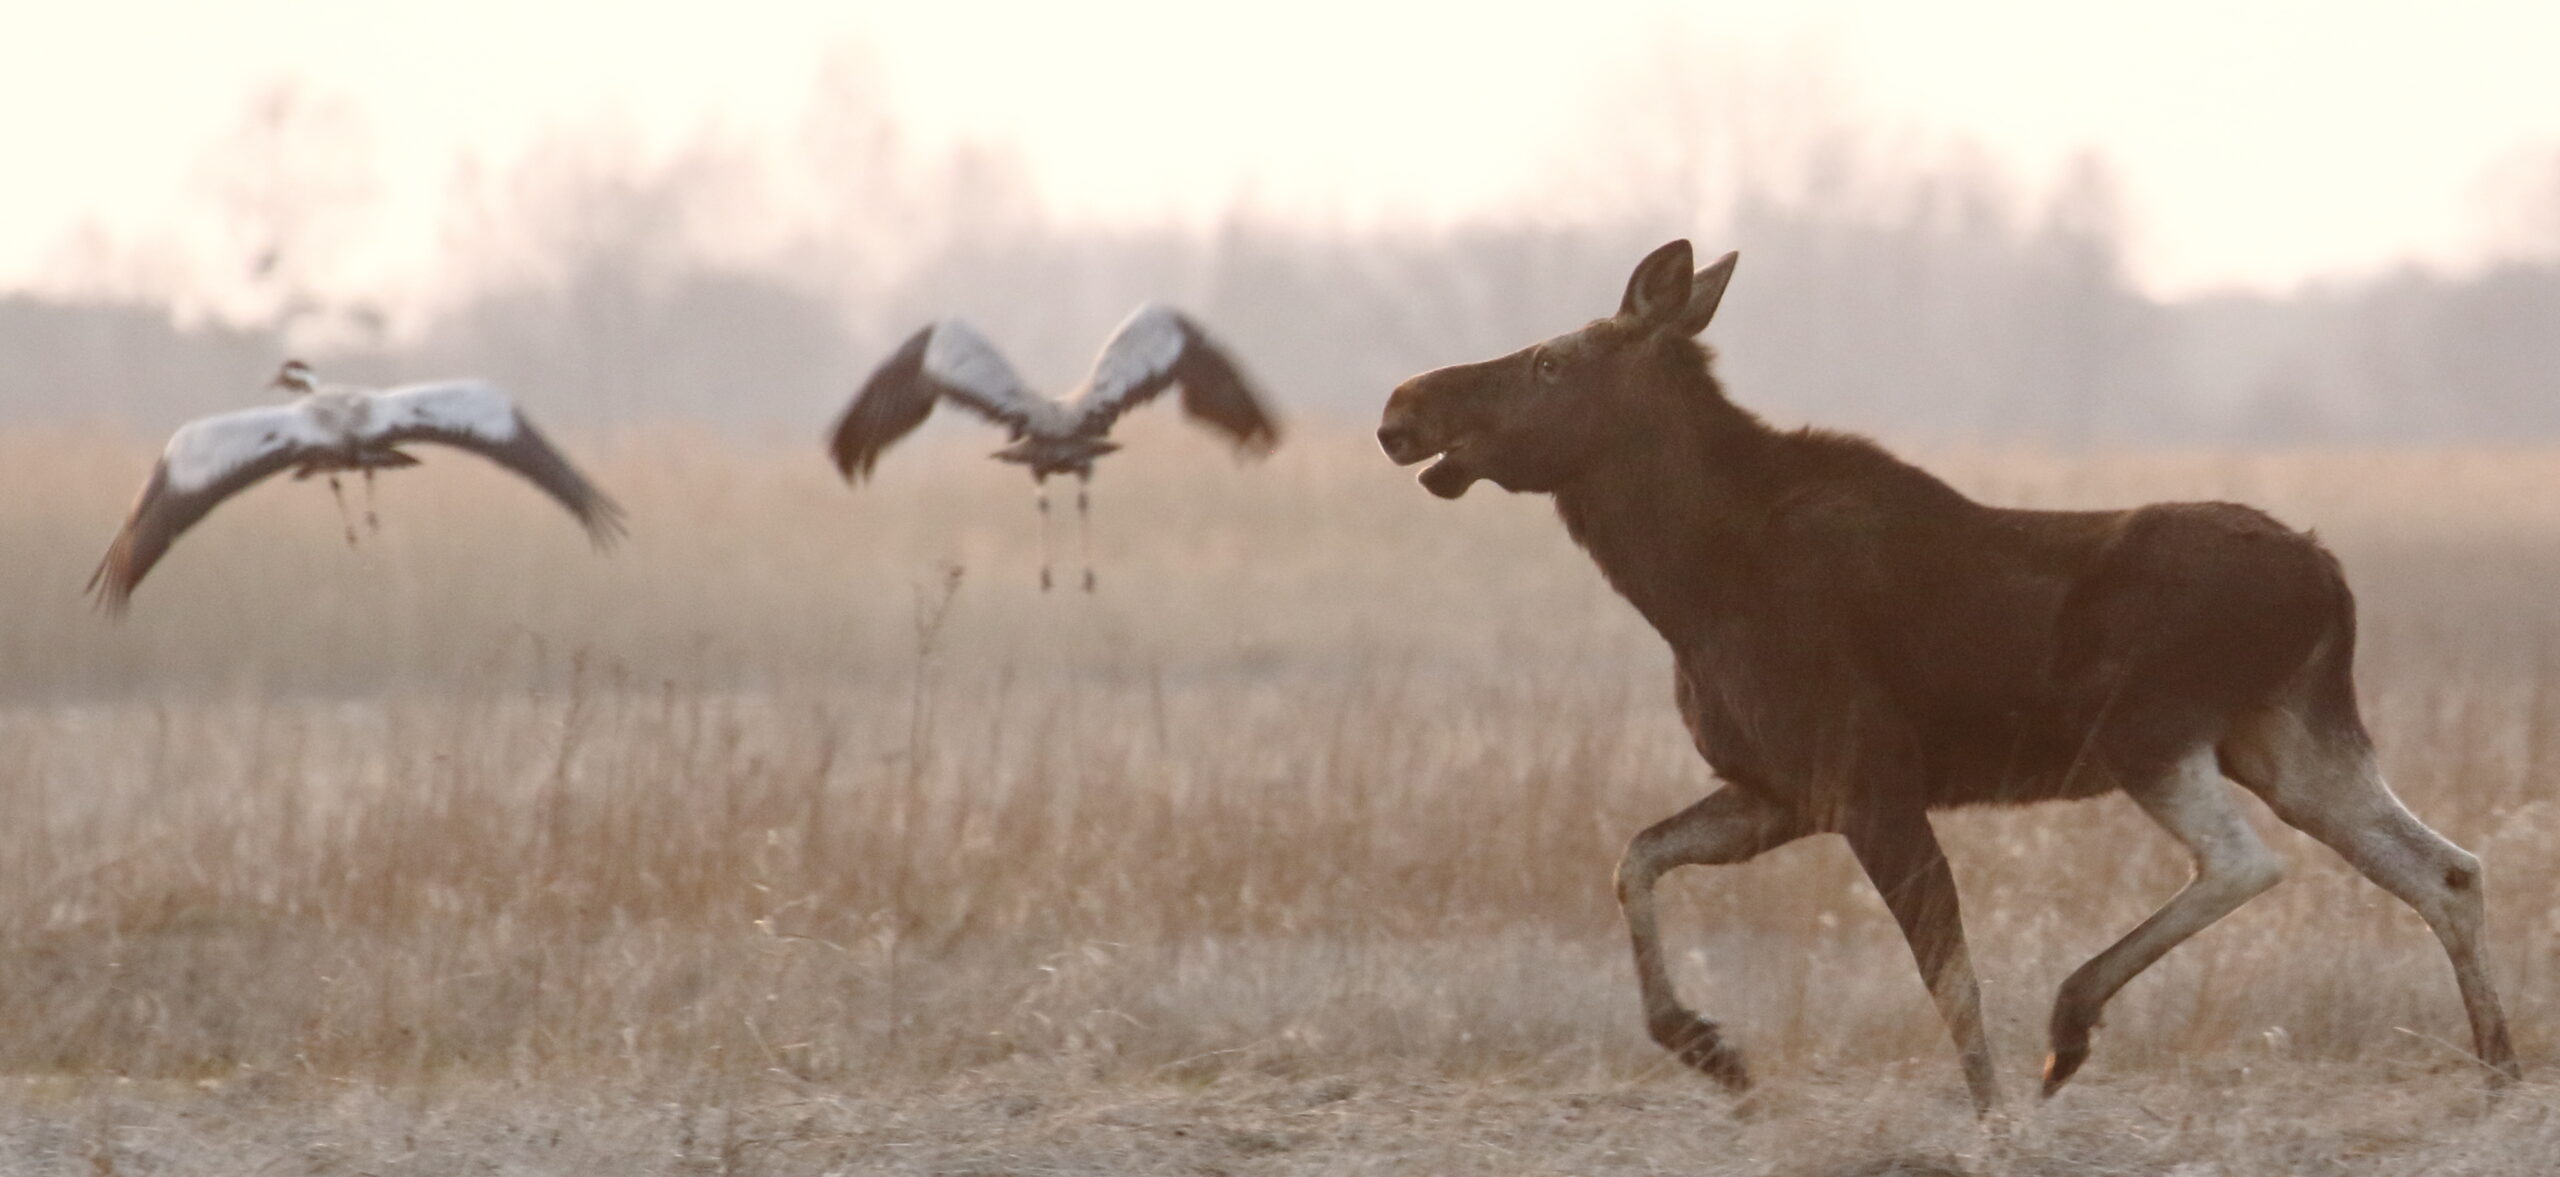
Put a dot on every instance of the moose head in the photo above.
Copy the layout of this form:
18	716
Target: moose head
1534	419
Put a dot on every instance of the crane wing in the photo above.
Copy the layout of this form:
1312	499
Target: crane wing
207	460
946	361
479	417
1158	346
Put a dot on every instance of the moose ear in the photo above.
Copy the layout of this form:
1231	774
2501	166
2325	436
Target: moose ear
1705	291
1658	291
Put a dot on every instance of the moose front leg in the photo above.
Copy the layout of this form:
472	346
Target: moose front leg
1732	825
1901	855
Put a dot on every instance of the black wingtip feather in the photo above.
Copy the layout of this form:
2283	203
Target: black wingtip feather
606	522
1216	390
105	595
885	409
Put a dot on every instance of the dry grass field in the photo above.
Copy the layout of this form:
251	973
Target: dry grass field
803	835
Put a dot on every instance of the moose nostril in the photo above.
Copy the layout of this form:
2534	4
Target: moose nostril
1392	438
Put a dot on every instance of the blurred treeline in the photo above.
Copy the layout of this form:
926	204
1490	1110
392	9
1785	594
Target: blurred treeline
748	286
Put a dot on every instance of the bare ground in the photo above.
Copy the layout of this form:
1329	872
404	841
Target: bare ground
2215	1117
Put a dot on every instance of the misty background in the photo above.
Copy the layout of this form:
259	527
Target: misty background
1913	287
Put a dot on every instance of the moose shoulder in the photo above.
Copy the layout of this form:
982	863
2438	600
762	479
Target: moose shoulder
1857	643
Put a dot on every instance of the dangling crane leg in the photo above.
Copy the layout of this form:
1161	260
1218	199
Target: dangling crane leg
372	525
348	521
1040	493
1084	528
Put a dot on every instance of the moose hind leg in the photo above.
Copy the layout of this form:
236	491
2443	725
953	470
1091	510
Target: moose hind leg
1731	825
2232	867
2333	790
1909	868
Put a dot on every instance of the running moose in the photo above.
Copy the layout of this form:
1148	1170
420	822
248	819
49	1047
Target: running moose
1857	644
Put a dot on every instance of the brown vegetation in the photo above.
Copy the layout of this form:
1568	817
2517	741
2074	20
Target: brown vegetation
737	847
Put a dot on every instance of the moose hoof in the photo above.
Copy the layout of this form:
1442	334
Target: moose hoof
2062	1064
1696	1041
2073	1018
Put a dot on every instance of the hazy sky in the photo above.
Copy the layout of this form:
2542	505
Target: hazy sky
2258	143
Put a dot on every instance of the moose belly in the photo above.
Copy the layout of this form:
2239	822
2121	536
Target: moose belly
2014	759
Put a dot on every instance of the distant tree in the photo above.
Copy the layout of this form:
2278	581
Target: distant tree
886	205
291	183
1892	280
2093	339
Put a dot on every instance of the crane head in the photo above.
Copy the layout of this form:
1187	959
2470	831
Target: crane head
294	376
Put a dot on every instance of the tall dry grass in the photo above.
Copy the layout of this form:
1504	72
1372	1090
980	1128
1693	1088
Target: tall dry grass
814	784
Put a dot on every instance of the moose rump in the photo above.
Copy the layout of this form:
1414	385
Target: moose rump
2166	623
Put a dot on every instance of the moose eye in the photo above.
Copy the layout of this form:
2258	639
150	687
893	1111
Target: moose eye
1548	365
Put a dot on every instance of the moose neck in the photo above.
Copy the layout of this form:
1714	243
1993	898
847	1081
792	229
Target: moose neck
1670	516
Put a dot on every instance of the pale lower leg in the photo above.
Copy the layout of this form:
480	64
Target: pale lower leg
2330	787
2389	845
2232	866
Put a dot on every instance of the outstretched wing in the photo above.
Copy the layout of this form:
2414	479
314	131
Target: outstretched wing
1159	346
471	415
207	460
948	360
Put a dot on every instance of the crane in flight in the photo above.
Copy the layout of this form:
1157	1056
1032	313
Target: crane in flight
1155	348
324	430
